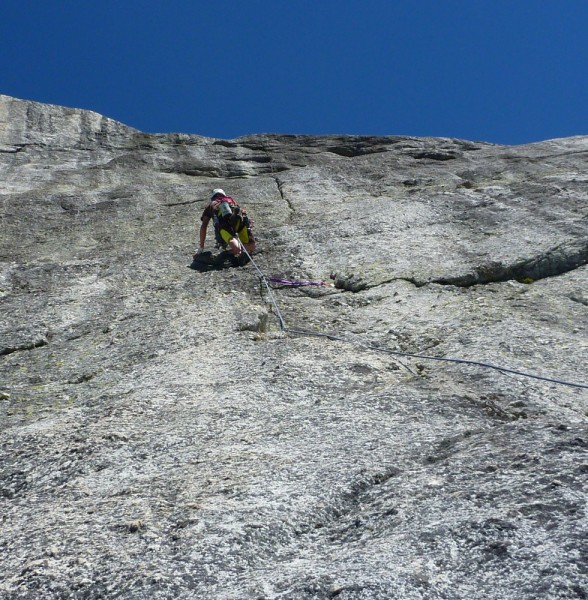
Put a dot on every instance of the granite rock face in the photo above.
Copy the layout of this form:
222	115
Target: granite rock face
162	437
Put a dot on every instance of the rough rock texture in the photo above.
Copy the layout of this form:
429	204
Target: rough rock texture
160	437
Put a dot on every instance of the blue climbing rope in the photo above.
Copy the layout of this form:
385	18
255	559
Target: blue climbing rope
267	280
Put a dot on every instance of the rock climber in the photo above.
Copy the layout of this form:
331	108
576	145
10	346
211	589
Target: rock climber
232	226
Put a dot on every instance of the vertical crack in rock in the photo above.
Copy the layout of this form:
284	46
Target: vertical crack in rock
283	196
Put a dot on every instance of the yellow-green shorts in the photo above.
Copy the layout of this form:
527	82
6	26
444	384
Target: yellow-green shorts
244	235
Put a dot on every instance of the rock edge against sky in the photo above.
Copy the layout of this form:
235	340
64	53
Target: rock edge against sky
161	437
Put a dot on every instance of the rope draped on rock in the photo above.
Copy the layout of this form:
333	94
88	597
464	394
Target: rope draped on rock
267	280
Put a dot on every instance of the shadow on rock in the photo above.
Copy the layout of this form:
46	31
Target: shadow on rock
225	260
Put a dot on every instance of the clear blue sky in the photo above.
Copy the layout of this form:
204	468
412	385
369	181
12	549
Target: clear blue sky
504	71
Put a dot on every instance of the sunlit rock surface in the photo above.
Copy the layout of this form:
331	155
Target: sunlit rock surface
161	437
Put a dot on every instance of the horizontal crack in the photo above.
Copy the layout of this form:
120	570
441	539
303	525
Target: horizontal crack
196	171
579	300
182	203
355	283
83	378
356	150
23	347
557	261
434	155
11	149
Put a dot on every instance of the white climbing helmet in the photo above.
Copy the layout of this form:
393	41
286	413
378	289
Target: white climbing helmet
217	191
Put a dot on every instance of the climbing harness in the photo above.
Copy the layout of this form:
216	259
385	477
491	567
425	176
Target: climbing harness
267	280
230	219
